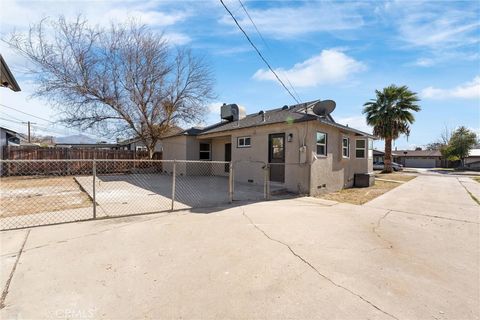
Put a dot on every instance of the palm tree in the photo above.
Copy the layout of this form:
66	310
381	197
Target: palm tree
390	115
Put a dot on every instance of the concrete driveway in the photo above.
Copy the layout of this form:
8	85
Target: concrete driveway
298	258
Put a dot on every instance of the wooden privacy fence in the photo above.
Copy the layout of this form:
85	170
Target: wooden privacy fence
46	153
45	168
48	161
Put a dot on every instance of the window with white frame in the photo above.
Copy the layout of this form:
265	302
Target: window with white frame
205	151
360	147
244	142
321	143
346	147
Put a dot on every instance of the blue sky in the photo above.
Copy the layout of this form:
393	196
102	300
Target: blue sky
340	50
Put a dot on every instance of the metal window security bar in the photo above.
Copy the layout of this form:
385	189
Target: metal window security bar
43	192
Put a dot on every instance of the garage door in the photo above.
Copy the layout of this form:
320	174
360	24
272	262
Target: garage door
420	162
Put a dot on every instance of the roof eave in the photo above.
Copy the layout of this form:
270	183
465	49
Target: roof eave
12	83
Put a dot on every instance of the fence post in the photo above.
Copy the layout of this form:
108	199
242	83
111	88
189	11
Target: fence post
230	182
267	182
173	182
94	173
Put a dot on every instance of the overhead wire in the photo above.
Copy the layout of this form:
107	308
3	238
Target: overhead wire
266	45
28	114
259	53
57	130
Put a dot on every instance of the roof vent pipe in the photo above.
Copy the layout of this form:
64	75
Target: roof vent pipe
262	113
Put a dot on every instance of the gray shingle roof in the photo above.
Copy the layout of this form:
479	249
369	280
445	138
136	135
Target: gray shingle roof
292	114
279	115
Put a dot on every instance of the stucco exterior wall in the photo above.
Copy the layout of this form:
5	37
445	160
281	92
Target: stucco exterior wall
333	172
249	162
174	148
307	174
218	154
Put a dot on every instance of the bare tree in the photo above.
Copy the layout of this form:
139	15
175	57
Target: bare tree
442	141
121	81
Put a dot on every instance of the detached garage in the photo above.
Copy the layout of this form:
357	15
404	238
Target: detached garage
418	158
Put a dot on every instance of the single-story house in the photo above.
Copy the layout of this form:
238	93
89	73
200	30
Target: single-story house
138	145
111	146
419	158
473	159
378	156
308	153
8	138
6	77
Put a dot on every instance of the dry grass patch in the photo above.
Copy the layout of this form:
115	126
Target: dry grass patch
396	176
361	195
27	195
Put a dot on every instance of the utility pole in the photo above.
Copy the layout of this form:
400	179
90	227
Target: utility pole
28	123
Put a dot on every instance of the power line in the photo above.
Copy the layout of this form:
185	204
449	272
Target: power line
10	116
5	119
266	45
254	25
43	119
28	114
259	53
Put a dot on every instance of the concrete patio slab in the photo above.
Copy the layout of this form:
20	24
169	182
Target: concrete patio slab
293	258
431	195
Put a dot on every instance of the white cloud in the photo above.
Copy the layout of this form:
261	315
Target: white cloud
355	122
468	90
177	38
434	25
96	12
330	66
149	17
288	22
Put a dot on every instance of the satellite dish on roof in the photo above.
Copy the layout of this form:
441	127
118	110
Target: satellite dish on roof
324	108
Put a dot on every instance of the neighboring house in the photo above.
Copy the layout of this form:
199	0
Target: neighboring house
111	146
8	138
6	77
419	158
83	141
378	156
310	154
473	159
138	145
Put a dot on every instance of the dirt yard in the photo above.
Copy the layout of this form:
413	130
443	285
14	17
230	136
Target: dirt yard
28	195
362	195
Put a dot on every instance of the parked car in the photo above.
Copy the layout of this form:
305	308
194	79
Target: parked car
381	166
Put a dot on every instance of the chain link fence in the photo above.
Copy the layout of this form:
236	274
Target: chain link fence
42	192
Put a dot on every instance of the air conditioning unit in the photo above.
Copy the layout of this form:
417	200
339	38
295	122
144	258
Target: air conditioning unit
229	112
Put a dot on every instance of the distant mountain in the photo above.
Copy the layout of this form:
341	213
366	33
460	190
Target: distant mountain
75	139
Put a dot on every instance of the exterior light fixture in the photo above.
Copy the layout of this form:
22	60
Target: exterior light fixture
290	137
